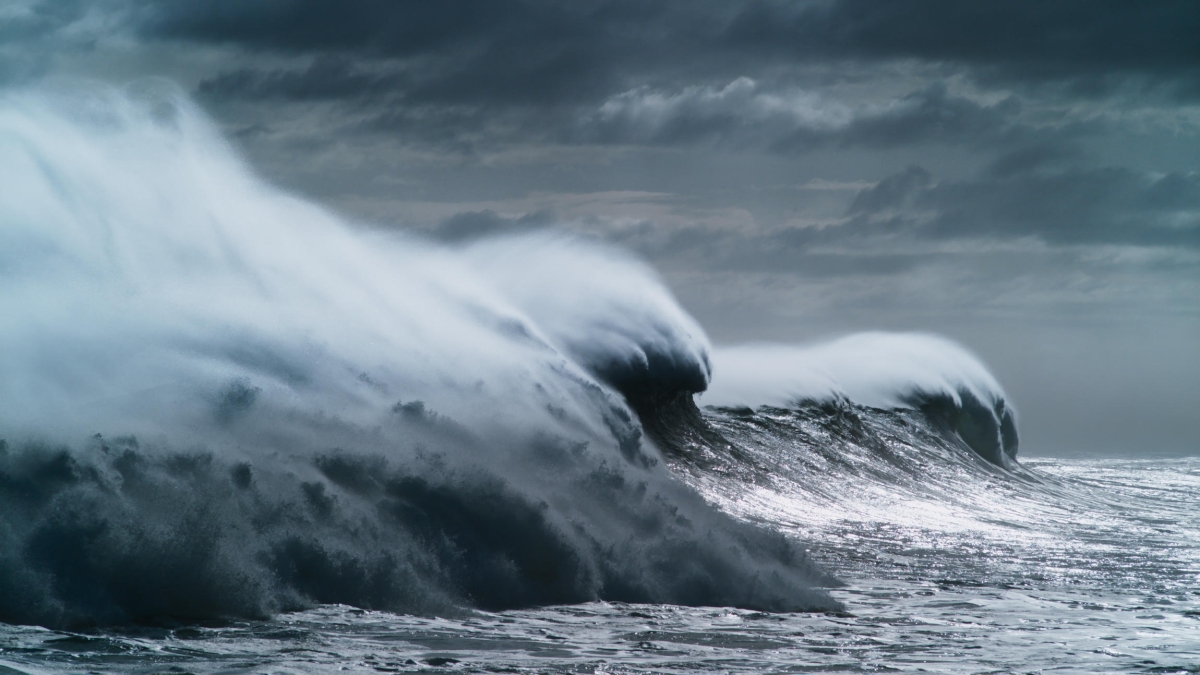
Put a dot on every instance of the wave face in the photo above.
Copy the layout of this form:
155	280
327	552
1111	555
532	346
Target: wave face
218	400
883	371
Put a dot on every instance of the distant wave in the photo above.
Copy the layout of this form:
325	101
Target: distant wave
877	370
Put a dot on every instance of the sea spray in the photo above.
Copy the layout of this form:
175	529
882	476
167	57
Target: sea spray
219	400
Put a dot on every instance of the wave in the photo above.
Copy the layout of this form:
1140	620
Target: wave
219	400
884	371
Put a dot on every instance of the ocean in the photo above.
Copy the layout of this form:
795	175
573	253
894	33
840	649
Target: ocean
240	433
1081	566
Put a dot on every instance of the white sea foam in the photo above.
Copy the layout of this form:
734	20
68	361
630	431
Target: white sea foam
882	370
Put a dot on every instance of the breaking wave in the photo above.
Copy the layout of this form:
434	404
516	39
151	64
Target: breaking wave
884	371
218	400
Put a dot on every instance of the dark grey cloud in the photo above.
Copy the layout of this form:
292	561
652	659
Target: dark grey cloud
1036	156
325	78
912	220
471	225
1071	206
929	114
505	52
38	19
895	191
466	73
745	113
30	34
740	114
1107	205
543	52
360	26
1085	40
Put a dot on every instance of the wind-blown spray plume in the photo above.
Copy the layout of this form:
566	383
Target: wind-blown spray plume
219	400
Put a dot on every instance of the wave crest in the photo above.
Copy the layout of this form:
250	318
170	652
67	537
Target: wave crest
879	370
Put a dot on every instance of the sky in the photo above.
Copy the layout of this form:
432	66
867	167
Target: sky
1022	177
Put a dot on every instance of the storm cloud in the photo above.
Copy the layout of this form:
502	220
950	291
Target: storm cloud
542	51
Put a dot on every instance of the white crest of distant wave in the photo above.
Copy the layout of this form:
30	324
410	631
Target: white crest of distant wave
876	369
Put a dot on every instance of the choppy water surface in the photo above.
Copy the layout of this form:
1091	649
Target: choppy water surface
1089	566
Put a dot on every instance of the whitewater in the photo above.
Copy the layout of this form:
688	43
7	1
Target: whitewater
241	433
